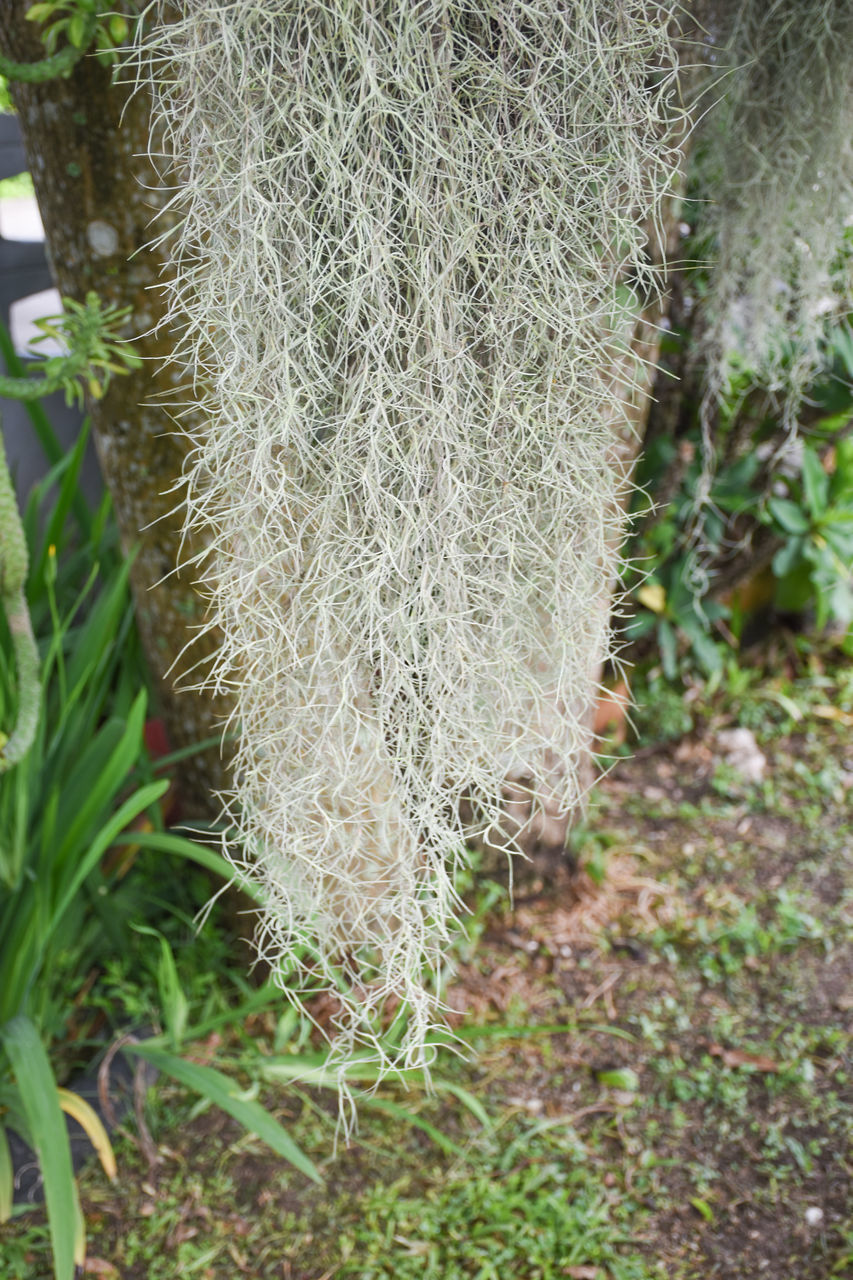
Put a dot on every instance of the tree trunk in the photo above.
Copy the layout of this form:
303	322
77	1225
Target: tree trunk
87	147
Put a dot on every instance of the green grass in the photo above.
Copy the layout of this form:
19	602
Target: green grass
531	1209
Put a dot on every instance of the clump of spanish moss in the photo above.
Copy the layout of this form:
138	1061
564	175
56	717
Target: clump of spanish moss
407	232
774	168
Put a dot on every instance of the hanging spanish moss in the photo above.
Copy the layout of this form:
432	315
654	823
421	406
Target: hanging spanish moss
411	252
774	166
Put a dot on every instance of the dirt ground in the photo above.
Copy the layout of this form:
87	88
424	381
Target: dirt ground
671	1024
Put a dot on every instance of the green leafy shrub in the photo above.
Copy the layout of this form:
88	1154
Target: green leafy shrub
81	24
768	504
814	518
64	907
62	805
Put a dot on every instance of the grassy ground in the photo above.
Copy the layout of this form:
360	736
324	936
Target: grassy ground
659	1047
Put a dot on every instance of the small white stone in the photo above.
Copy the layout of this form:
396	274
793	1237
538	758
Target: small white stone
741	751
814	1215
103	239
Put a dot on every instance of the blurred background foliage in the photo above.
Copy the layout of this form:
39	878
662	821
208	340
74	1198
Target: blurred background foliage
740	523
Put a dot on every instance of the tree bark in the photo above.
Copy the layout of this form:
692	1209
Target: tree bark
87	144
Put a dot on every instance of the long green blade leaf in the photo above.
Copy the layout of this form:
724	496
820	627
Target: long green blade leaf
7	1187
410	1117
40	1104
110	775
182	847
131	808
467	1099
310	1069
224	1093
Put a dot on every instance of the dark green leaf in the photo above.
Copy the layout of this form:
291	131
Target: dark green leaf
815	482
224	1093
131	808
191	851
795	591
788	515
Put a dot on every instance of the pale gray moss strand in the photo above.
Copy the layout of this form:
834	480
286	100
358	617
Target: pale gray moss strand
405	232
775	156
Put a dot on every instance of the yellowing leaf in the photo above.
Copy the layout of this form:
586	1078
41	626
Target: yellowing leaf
78	1108
833	713
118	28
653	596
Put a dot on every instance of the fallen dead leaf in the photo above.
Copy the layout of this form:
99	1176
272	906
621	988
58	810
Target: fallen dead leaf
582	1273
204	1051
182	1233
833	713
100	1267
694	752
739	1058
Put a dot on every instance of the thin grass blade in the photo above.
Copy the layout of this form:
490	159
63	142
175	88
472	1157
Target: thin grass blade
410	1117
40	1103
183	847
224	1093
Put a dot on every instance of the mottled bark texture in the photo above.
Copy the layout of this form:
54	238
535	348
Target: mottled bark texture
87	149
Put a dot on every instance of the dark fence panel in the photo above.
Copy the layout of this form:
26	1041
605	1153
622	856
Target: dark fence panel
24	271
